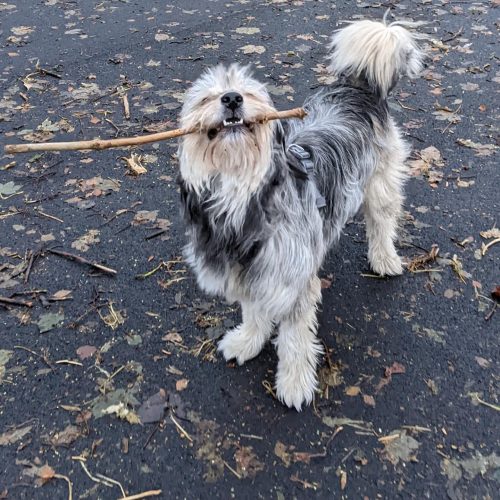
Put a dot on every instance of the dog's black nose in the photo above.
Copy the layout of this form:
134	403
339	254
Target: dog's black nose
232	100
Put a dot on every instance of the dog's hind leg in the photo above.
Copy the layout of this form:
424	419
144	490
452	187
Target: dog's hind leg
383	206
247	340
299	350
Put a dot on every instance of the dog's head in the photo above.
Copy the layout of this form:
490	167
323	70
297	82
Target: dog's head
223	106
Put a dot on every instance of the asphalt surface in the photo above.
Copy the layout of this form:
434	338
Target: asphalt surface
409	400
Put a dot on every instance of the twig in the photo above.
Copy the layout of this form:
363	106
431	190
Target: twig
70	485
251	436
100	479
231	469
181	429
15	302
485	248
491	313
126	107
81	260
455	35
68	362
405	107
150	273
156	234
44	71
475	397
33	256
150	493
151	434
42	357
100	144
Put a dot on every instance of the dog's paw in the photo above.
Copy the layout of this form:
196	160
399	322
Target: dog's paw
240	344
387	264
296	386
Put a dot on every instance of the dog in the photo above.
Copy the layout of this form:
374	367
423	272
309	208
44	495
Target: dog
263	202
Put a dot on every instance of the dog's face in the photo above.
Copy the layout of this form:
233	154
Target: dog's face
223	105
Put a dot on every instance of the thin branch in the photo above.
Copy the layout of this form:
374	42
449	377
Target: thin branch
100	144
145	494
15	302
81	260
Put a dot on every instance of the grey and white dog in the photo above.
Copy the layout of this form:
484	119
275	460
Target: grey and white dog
263	202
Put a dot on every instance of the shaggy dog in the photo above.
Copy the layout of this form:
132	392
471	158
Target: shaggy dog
263	202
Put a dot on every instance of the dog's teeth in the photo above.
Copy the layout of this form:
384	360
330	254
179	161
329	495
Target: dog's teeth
232	122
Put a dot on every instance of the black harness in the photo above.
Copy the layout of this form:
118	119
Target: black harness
304	167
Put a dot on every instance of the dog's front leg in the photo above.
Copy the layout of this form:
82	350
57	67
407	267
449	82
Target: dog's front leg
247	340
299	350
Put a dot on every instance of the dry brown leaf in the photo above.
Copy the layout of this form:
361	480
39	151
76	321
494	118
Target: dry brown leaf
134	163
181	384
494	232
352	390
173	337
247	462
11	437
368	400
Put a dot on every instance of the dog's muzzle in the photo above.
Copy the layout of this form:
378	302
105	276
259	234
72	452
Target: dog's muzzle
233	116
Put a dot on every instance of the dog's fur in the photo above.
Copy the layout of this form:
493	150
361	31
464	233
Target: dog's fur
255	232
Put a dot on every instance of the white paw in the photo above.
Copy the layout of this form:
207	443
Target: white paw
386	264
296	386
240	344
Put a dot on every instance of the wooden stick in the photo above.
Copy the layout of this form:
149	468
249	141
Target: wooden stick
81	260
100	144
145	494
15	302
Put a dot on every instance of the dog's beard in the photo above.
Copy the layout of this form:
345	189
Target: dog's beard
229	141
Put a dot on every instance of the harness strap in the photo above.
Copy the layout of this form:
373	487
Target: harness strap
306	166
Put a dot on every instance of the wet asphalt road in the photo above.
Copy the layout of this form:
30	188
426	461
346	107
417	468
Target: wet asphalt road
409	401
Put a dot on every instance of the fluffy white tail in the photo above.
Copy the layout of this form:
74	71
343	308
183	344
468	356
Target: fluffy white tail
376	52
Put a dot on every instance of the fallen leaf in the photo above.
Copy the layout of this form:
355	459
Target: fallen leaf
483	363
5	355
173	337
84	242
11	437
247	462
161	37
153	409
117	402
368	400
494	232
86	351
49	321
61	295
352	390
253	49
280	450
399	447
134	163
247	30
9	189
144	217
66	437
343	480
479	149
181	384
41	474
396	368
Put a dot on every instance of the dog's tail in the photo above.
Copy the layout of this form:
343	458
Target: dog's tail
376	53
